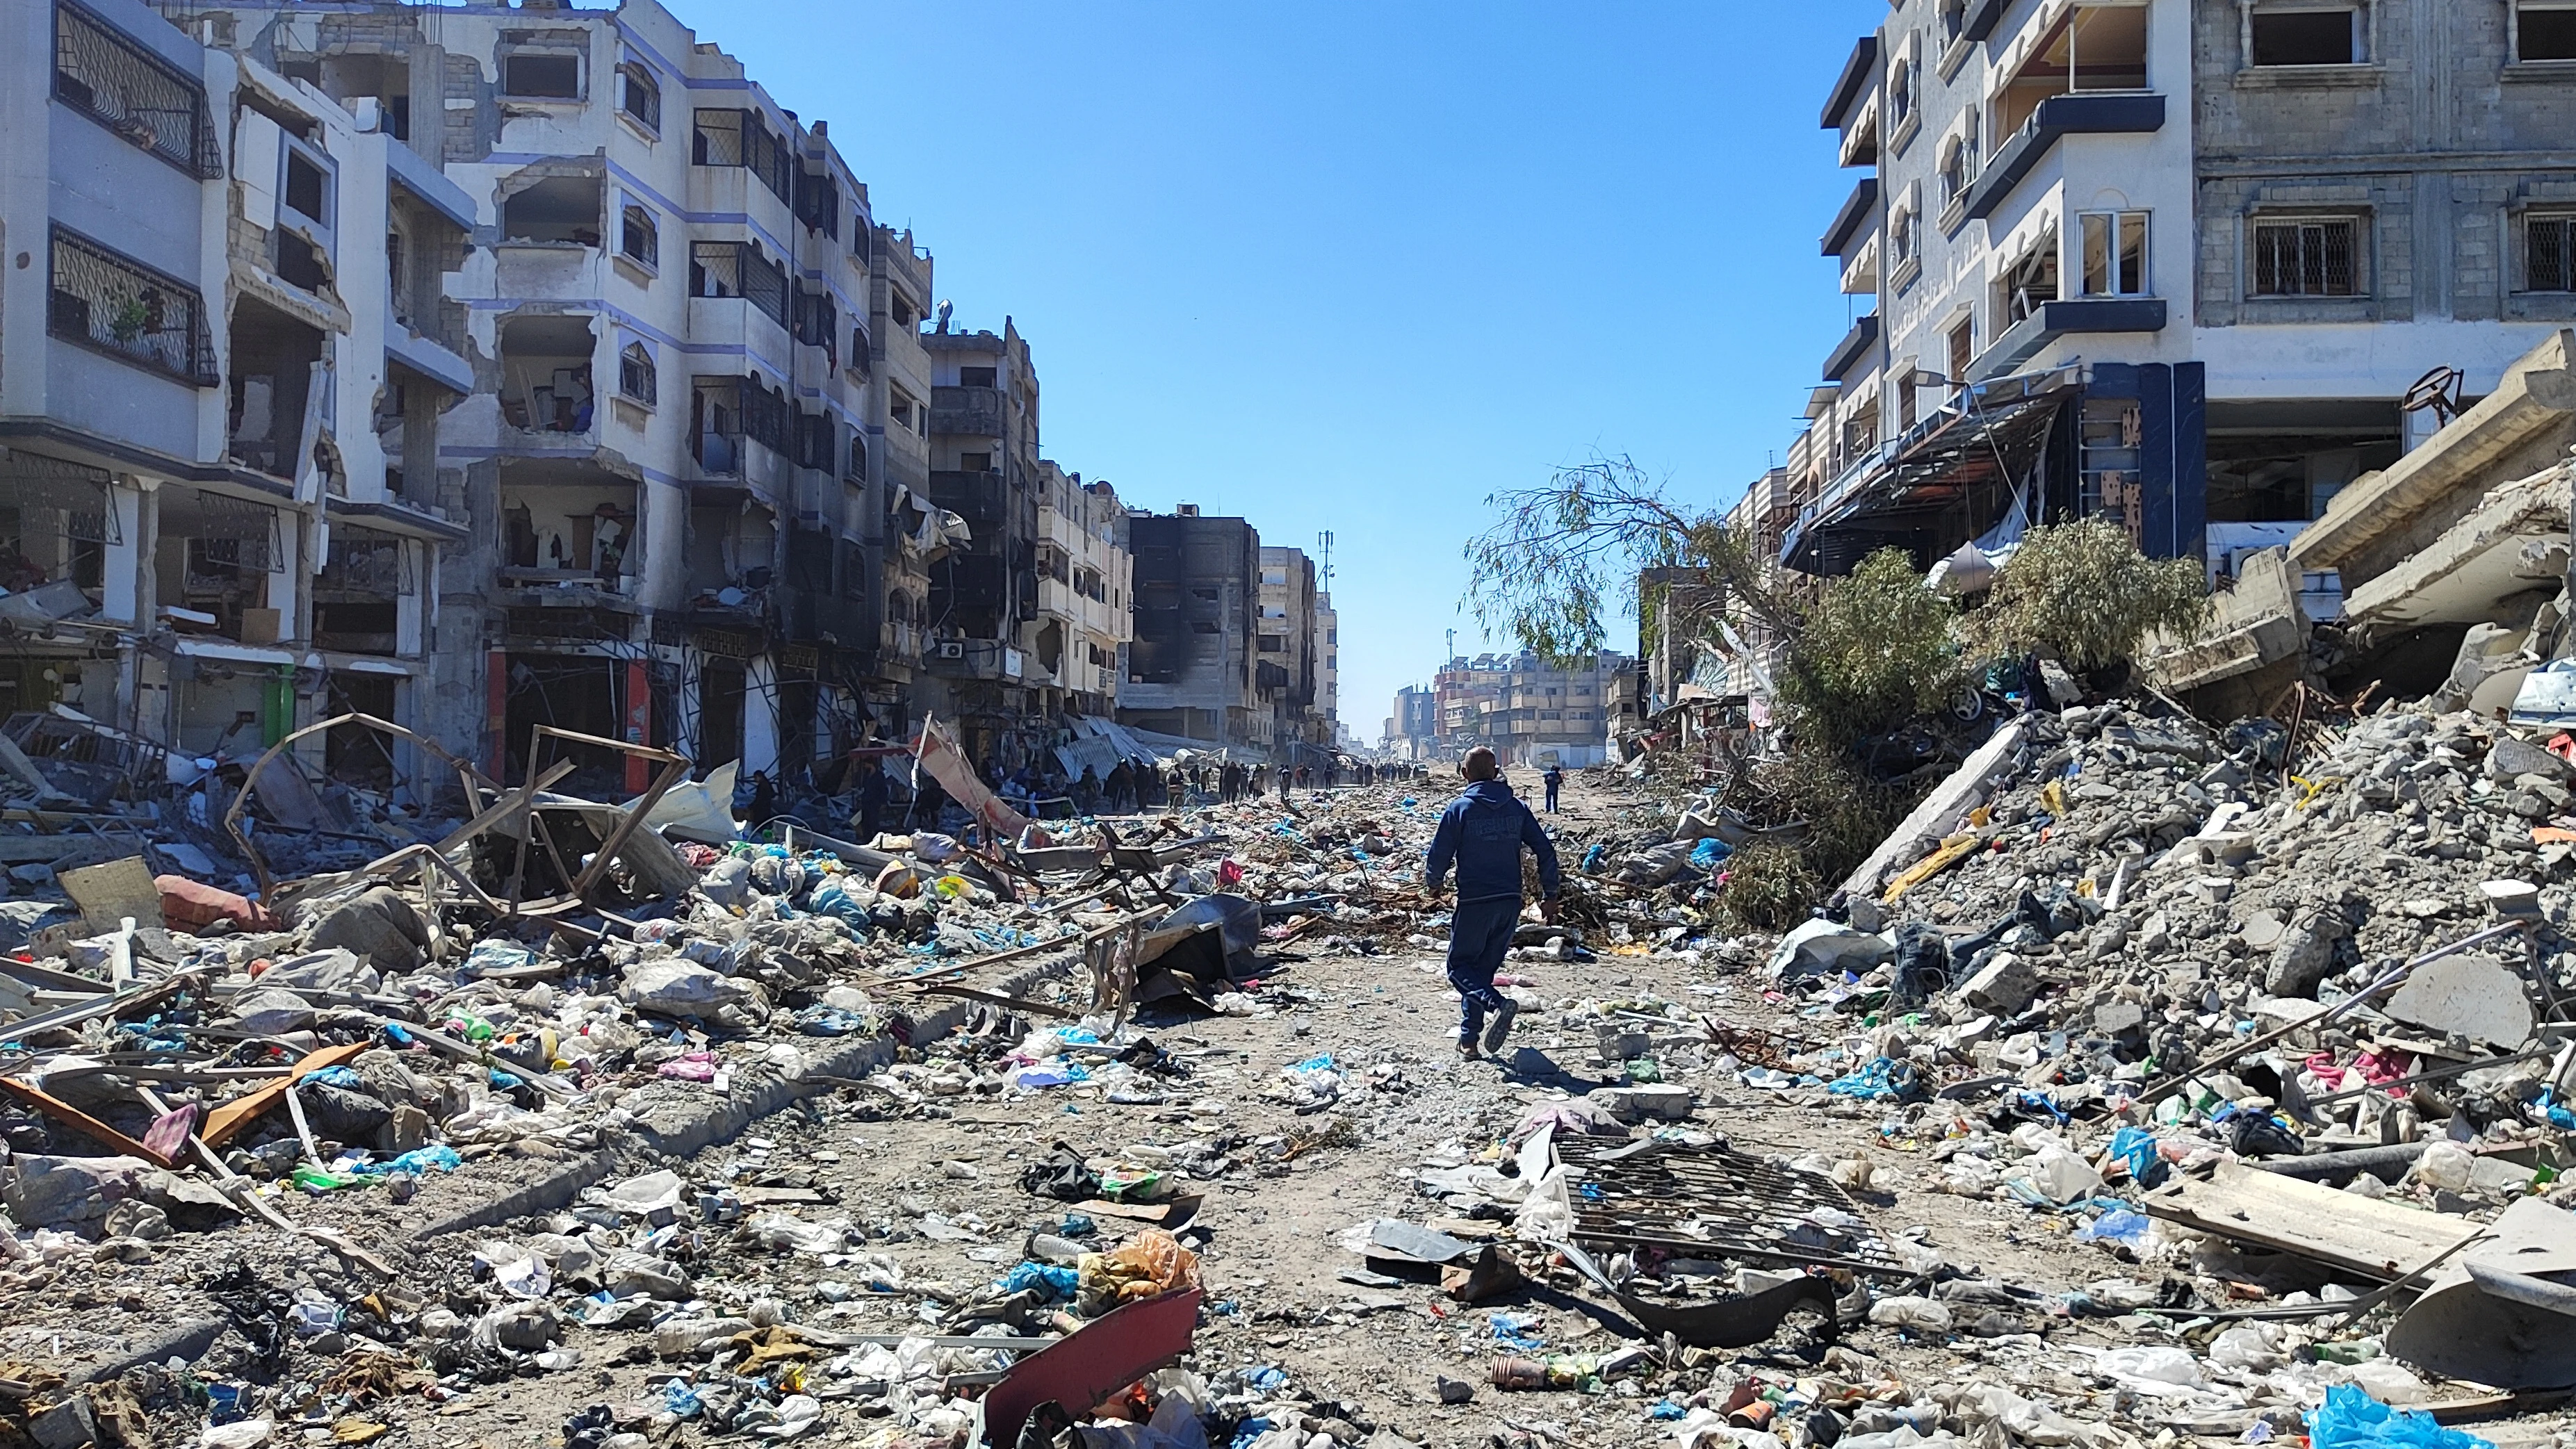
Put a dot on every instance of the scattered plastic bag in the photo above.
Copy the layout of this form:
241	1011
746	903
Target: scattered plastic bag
2351	1419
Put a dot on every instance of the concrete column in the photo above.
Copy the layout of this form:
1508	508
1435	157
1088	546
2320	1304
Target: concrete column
760	716
639	725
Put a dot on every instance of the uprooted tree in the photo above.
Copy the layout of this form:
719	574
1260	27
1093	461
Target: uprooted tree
1856	658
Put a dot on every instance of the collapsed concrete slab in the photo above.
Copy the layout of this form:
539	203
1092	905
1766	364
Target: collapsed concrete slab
2513	543
2522	428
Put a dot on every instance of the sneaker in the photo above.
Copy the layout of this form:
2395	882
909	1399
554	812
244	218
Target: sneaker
1501	1026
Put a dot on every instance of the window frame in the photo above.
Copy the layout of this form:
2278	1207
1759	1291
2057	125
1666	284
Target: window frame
633	360
2362	281
2564	219
634	76
580	75
629	210
2514	37
2363	33
2114	254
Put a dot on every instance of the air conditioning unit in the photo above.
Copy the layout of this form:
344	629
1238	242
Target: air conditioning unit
951	649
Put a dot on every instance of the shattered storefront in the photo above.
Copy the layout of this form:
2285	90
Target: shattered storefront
2115	441
58	524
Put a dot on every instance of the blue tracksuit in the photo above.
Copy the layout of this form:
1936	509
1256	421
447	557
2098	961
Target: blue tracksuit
1482	836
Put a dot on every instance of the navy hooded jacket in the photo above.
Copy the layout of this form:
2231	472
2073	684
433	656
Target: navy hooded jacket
1482	834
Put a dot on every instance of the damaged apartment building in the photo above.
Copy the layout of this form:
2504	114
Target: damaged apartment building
226	370
2194	266
689	465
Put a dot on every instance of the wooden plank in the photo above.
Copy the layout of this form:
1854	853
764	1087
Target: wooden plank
71	1116
227	1121
2360	1235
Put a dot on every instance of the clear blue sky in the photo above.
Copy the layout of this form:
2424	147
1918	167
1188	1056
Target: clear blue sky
1355	266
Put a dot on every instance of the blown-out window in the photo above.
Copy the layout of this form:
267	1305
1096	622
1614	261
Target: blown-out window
541	75
638	237
2307	35
637	379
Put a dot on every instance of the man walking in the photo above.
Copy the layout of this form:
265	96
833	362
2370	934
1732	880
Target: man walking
1483	834
1555	782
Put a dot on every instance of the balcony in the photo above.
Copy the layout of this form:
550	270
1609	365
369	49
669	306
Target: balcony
1859	77
1855	346
975	412
982	499
2052	121
1856	213
1983	17
2054	320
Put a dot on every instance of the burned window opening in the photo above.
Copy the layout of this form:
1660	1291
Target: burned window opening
739	270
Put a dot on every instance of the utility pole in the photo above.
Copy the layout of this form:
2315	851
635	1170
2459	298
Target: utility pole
1326	572
1453	650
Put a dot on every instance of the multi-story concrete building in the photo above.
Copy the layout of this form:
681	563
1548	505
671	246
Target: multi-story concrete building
1085	586
1525	710
984	467
672	462
1328	669
899	430
1413	731
1286	668
2174	262
222	380
1193	669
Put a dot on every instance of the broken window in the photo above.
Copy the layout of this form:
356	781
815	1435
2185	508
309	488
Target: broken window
1963	349
1900	92
1954	21
2307	37
738	269
856	469
900	407
2549	253
639	238
57	520
545	373
860	348
743	138
131	91
308	188
2028	283
361	560
559	210
538	75
814	440
274	357
906	315
2307	258
102	300
977	376
715	424
2115	254
636	378
818	323
818	202
639	96
975	462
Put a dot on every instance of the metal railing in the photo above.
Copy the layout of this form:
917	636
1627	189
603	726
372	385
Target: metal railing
136	94
121	307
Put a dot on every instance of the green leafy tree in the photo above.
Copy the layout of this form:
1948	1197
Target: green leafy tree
2083	592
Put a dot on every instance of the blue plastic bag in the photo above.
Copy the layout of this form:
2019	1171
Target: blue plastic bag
1058	1281
1710	853
1882	1080
2136	1147
2352	1419
2123	1227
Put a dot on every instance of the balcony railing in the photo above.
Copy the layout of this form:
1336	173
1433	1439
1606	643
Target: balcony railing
128	310
2118	113
973	411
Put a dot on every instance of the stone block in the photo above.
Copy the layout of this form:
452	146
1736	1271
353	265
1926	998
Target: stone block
2005	987
1649	1103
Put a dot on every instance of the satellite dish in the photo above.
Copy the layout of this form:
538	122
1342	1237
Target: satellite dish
946	311
2438	390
